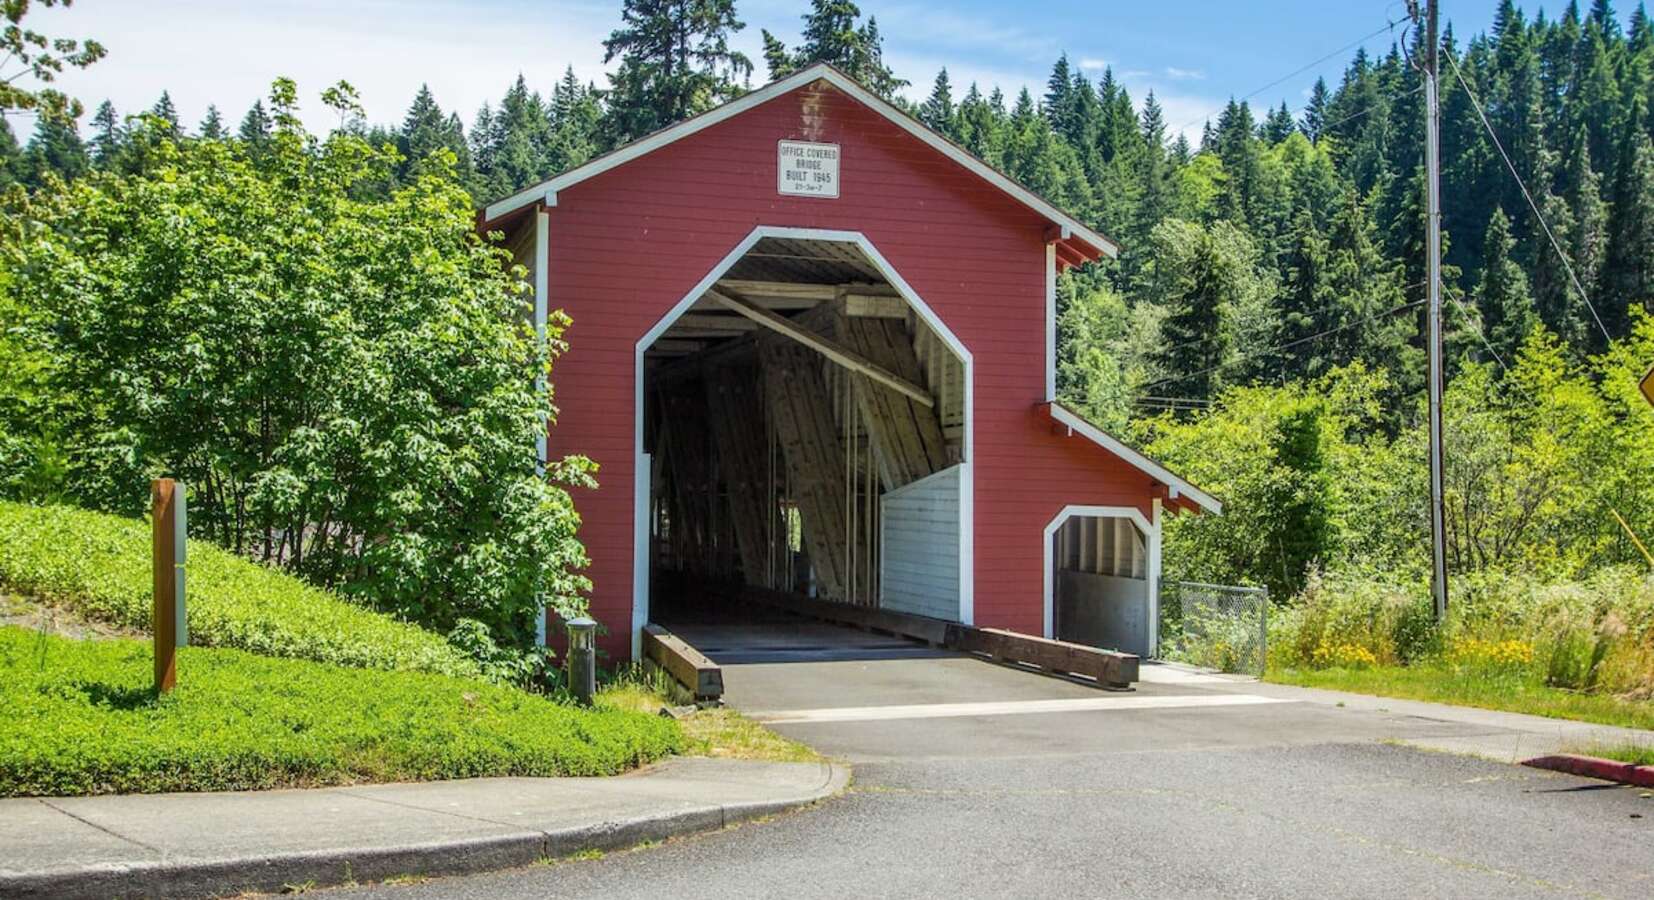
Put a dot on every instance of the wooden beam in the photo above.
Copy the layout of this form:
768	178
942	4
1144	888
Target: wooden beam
801	405
735	409
1106	667
909	436
666	346
819	293
701	676
712	321
830	349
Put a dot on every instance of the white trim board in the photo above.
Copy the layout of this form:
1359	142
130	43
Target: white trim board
1113	445
641	485
546	191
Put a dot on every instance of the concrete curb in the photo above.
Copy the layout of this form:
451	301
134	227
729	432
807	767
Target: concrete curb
345	865
1595	767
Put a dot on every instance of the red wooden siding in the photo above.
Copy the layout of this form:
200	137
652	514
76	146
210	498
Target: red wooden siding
626	245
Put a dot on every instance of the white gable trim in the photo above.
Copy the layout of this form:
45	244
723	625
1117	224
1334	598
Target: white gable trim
1155	470
546	191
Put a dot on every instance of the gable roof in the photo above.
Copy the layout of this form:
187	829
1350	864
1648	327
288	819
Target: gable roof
1180	488
1083	242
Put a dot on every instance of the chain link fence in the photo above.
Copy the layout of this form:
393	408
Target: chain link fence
1217	626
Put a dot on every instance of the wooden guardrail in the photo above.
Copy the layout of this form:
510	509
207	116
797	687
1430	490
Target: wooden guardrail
1107	667
699	675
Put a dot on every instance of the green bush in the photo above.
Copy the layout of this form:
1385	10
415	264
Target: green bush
99	566
1593	635
79	717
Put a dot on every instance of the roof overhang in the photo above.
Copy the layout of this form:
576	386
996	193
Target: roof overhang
1077	243
1176	487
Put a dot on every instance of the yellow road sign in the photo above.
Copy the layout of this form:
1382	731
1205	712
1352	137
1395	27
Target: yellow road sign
1647	385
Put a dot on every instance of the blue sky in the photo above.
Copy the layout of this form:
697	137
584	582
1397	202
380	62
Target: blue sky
1193	53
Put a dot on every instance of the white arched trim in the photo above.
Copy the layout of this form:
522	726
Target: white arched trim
641	480
1151	570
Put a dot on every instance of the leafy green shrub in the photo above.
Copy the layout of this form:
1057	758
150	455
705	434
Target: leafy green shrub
344	375
1343	618
99	566
79	717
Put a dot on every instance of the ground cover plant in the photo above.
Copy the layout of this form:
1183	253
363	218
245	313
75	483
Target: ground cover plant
720	732
1578	649
98	566
80	717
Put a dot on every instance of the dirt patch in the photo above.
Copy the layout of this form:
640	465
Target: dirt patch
24	612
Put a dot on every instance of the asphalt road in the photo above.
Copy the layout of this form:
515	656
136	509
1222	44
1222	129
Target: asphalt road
1172	791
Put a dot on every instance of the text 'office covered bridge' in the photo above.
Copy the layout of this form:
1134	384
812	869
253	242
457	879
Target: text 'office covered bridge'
812	350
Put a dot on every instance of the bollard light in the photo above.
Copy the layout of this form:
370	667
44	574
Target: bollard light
582	665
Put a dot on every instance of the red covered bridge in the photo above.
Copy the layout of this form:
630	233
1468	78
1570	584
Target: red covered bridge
813	351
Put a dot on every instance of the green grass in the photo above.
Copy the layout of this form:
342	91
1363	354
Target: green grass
720	732
1465	686
1636	754
79	717
98	566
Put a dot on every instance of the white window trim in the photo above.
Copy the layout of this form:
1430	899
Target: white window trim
1151	568
967	491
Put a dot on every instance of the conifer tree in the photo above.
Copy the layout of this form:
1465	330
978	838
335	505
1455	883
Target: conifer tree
55	149
1059	106
832	35
108	136
1305	299
212	125
168	114
515	143
1628	269
937	110
1278	125
11	155
1502	295
575	120
425	130
1315	111
675	61
1196	285
1235	143
255	129
980	125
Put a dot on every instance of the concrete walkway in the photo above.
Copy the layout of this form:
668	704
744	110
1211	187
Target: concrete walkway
1491	734
179	845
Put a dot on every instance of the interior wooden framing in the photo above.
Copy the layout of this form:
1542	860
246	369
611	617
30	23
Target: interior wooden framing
779	408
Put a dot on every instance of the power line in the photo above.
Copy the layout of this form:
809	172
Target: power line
1334	304
1371	108
1476	104
1388	26
1288	345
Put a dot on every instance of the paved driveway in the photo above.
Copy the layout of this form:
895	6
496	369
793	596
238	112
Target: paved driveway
975	780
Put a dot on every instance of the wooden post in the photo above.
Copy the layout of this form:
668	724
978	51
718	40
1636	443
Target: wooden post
167	568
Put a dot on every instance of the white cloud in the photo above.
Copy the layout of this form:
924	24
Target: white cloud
207	51
204	52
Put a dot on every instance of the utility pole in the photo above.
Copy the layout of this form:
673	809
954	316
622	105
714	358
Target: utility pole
1432	180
